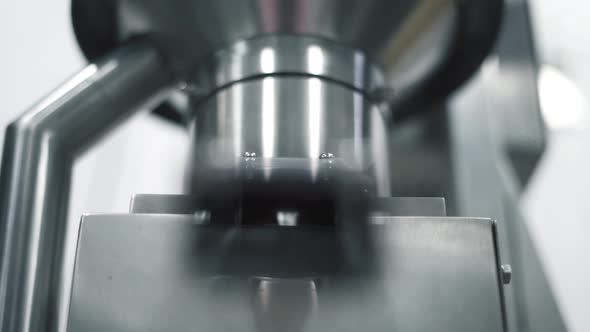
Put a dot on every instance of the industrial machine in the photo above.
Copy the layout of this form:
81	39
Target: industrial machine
324	142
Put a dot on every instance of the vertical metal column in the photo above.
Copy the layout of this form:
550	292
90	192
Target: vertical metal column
287	96
39	151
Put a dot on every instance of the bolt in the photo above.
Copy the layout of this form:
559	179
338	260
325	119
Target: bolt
506	273
326	155
249	154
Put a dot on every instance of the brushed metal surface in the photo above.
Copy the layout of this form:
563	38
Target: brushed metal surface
141	273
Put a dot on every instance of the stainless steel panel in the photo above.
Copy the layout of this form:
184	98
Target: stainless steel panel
142	273
291	117
391	206
39	150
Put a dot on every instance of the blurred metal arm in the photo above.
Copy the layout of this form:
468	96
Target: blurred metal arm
39	151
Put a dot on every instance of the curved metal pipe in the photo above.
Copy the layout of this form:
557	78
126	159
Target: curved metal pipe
39	151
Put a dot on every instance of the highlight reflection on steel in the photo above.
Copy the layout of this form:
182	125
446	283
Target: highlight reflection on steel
268	117
315	113
310	116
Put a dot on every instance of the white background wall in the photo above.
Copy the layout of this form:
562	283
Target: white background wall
557	204
38	51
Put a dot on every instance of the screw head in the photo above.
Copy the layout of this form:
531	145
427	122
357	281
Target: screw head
190	88
249	154
506	273
326	155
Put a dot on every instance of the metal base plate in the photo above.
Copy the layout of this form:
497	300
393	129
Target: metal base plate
141	273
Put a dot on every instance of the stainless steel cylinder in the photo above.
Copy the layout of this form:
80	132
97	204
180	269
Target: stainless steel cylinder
288	96
292	117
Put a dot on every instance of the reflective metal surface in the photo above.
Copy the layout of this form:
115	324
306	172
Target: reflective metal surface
146	273
39	151
287	55
382	206
191	29
294	117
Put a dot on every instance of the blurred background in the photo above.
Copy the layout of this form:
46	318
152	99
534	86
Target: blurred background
148	155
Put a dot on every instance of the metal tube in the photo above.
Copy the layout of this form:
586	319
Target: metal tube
39	151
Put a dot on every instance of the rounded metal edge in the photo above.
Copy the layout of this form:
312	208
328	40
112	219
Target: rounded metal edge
284	54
